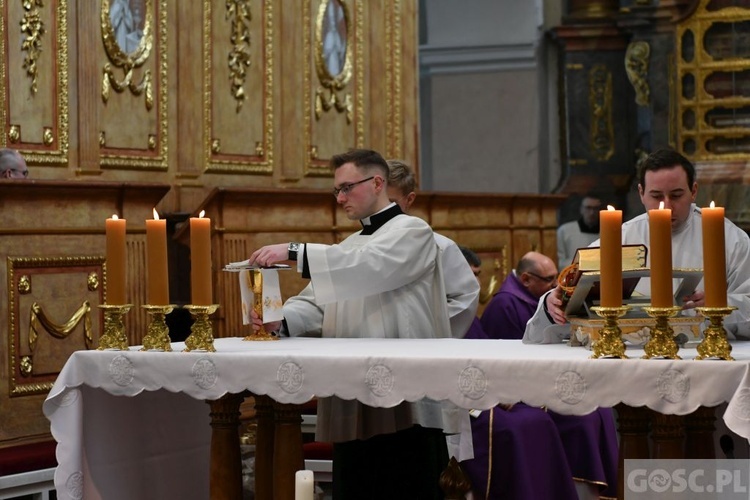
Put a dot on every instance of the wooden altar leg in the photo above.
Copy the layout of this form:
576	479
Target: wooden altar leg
633	424
668	435
288	457
699	433
264	448
225	478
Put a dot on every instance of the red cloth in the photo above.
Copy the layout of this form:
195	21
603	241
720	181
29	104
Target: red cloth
27	457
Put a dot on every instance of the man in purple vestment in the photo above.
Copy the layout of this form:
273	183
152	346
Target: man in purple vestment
589	441
507	313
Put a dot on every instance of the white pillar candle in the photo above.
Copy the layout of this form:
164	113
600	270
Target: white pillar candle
304	485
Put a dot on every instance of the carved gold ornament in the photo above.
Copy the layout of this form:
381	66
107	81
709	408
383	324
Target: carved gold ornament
39	319
26	366
24	284
33	27
333	58
92	281
239	57
48	137
636	66
14	134
127	33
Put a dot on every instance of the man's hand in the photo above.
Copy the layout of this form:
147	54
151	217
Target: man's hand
695	299
273	326
553	303
270	255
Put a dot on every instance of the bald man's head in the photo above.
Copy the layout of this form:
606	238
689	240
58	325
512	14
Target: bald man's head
537	272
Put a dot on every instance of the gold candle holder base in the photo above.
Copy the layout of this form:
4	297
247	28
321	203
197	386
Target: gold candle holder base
715	343
157	338
114	328
661	343
261	334
609	343
201	336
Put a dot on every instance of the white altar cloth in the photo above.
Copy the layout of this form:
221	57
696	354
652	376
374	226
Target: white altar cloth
129	423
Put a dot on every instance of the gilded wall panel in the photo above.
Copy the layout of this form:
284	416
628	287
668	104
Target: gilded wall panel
238	88
34	66
334	80
134	66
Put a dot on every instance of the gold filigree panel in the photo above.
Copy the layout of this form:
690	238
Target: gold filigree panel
239	90
601	135
52	312
133	114
334	75
34	79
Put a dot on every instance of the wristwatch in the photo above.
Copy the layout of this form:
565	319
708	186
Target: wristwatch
293	249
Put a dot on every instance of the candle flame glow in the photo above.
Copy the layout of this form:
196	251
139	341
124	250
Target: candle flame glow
661	205
610	207
114	217
200	215
712	205
156	214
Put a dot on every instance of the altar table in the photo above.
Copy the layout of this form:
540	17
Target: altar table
132	424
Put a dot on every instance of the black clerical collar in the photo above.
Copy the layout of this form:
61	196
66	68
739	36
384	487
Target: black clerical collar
586	229
376	221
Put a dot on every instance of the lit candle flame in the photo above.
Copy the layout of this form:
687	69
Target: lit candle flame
200	215
156	214
610	207
661	205
712	205
114	217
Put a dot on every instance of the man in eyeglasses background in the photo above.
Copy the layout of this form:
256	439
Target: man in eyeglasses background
12	164
384	281
514	304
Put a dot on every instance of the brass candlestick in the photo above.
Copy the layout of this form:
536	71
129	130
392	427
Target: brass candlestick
256	283
609	343
661	342
715	343
201	336
114	329
157	338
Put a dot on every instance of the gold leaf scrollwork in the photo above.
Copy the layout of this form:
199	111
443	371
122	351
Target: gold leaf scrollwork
239	57
48	137
127	33
333	58
636	66
600	101
216	146
33	27
38	319
26	365
486	294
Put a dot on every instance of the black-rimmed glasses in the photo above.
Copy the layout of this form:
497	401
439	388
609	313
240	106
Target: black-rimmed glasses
346	188
546	279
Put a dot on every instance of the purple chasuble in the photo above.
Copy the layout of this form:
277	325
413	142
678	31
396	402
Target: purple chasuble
507	313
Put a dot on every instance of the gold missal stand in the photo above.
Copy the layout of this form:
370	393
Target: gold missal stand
201	336
114	337
256	283
157	337
715	343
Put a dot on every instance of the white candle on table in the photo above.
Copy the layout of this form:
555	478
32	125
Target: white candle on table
304	485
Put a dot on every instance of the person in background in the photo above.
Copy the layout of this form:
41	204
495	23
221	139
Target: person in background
461	288
12	164
579	233
506	314
384	281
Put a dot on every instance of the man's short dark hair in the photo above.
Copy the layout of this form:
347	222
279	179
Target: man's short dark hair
365	159
472	258
665	158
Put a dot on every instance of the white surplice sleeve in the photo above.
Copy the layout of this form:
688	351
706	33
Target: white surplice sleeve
302	315
461	286
385	261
